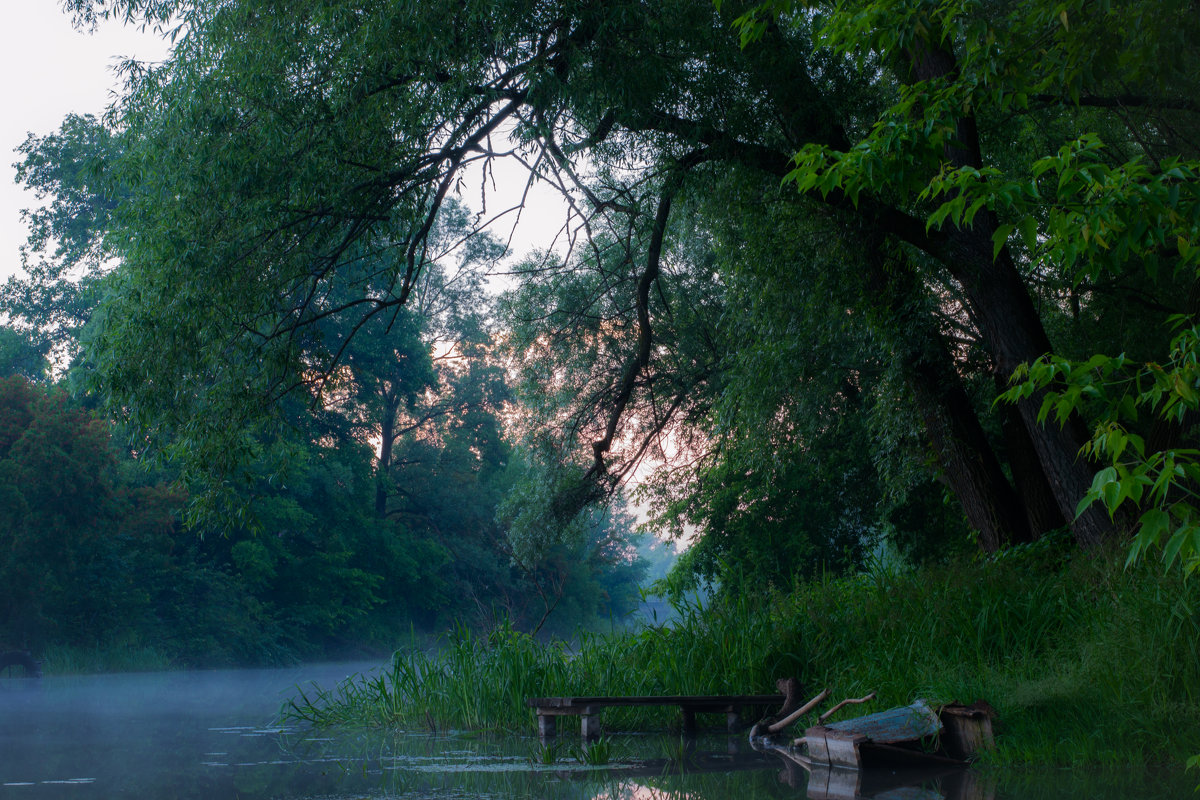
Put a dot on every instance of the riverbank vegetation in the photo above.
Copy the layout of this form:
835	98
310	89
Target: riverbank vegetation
1087	664
100	572
835	285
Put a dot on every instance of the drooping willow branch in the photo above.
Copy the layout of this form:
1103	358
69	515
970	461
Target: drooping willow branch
641	358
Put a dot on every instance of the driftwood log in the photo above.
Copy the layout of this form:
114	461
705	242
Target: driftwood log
843	704
789	713
776	727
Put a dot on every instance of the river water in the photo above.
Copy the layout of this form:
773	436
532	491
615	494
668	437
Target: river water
217	735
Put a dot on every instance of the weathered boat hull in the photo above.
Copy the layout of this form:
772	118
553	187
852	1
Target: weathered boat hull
909	735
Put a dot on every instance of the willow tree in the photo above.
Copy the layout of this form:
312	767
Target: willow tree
281	141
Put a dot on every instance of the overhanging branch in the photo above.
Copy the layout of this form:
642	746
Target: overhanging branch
641	359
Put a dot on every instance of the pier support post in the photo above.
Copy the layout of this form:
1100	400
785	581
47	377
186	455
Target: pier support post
967	730
589	726
546	726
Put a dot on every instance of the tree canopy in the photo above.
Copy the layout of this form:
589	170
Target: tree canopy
808	245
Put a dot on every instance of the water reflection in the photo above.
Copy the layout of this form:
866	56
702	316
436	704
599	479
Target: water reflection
215	735
156	734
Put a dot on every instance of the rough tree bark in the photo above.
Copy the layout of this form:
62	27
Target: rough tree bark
1037	499
1008	320
969	464
387	433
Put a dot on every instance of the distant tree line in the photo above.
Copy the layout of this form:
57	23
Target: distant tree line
95	552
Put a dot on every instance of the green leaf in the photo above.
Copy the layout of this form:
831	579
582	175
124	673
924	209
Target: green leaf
1151	526
1116	443
1047	405
1029	233
1083	505
999	238
1112	496
1176	543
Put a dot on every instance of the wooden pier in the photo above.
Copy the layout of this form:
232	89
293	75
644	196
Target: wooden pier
549	709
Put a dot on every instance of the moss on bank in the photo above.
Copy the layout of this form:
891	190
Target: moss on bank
1085	662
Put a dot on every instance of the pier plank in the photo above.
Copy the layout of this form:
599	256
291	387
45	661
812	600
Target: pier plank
587	707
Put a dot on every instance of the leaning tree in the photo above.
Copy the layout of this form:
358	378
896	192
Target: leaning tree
951	149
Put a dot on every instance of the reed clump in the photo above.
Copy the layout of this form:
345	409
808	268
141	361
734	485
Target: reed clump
1084	661
114	656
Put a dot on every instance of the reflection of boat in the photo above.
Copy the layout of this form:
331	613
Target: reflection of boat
906	736
898	750
834	783
927	782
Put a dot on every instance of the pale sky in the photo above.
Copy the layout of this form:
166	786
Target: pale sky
50	70
53	70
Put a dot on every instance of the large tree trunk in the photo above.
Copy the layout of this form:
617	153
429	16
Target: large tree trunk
1014	334
1041	509
383	473
969	464
999	302
1009	323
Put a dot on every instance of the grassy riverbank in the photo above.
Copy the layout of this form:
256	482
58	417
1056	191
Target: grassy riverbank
1085	662
117	656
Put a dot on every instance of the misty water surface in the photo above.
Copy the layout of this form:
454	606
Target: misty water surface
217	734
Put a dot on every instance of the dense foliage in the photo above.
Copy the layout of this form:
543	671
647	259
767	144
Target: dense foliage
99	570
807	247
1071	674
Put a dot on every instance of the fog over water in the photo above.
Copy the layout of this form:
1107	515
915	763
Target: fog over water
167	734
217	734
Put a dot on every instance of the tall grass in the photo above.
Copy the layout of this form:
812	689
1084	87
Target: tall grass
118	656
1084	662
482	681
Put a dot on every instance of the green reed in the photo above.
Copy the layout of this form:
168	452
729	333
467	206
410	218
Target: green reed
1084	661
119	656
